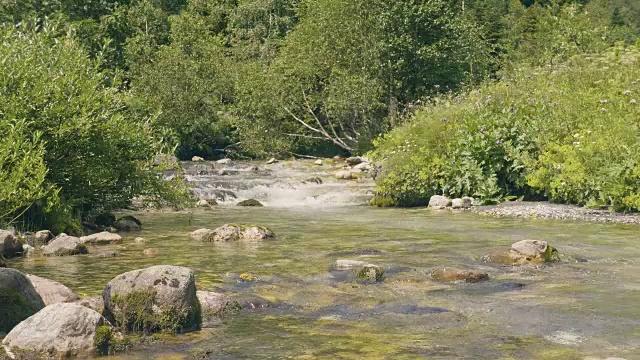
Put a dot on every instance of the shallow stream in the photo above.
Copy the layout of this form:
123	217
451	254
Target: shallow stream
586	306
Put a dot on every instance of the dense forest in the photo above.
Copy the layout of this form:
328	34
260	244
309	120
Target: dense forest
490	98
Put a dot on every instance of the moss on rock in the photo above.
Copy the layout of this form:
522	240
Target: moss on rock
14	308
370	274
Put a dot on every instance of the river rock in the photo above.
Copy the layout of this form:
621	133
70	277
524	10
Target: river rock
206	202
353	160
28	250
94	303
59	331
139	240
10	245
363	270
197	159
215	306
463	203
271	161
455	274
467	201
42	237
153	299
52	292
64	245
128	223
151	251
249	202
102	238
223	172
233	232
313	180
223	161
318	162
346	175
439	202
525	252
166	161
18	299
363	166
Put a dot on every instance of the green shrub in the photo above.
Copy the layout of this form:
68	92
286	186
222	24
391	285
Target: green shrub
568	133
58	114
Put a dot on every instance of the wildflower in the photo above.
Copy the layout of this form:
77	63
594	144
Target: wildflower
576	143
627	92
576	135
633	101
603	110
604	101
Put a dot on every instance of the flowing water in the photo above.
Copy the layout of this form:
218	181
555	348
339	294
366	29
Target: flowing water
586	306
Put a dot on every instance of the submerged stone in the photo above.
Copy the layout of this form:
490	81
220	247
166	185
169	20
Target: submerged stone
455	274
215	306
101	238
128	223
233	232
370	273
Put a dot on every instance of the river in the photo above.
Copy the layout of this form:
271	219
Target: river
585	307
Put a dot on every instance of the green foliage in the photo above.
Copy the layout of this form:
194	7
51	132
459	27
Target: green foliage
567	132
102	339
138	312
56	108
15	308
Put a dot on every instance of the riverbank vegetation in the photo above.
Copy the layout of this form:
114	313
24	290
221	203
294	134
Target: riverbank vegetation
91	92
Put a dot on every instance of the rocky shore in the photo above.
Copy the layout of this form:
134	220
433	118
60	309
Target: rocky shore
545	210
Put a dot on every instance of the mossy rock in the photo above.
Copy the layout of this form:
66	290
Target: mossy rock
250	202
105	219
370	274
14	308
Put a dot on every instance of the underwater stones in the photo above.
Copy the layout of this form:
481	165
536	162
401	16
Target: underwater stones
58	330
18	299
52	292
353	160
439	202
157	298
10	245
249	202
197	159
127	223
223	161
233	232
42	237
101	238
151	251
455	274
525	252
271	161
139	240
65	246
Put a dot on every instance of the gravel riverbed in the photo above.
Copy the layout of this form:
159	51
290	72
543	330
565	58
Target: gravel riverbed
545	210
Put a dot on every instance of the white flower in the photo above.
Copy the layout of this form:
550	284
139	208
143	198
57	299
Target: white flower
627	92
633	101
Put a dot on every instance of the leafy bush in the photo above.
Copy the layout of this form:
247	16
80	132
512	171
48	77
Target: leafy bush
568	133
58	114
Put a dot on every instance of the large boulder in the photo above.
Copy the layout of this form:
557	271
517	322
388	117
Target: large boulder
127	223
439	202
157	298
18	299
197	159
525	252
95	303
451	274
52	292
10	245
101	238
233	232
58	331
353	160
63	246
